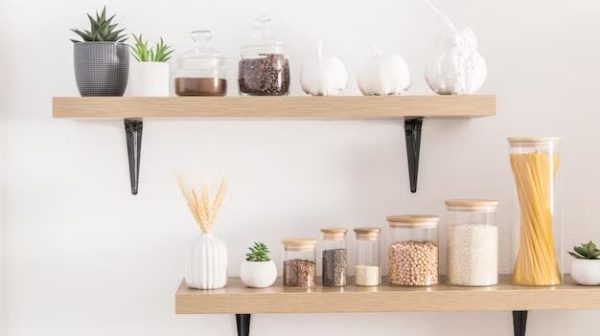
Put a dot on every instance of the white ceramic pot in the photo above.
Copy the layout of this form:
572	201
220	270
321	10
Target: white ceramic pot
586	271
384	75
258	274
207	263
149	79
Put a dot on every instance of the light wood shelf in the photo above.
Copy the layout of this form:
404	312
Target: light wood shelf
301	107
237	299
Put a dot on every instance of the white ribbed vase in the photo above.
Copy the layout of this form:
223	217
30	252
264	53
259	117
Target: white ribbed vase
207	264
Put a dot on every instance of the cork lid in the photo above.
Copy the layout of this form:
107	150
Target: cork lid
472	205
413	221
299	244
367	233
334	233
533	141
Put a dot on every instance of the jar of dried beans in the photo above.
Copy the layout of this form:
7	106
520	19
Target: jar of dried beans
413	250
366	272
264	69
299	265
335	257
472	242
201	70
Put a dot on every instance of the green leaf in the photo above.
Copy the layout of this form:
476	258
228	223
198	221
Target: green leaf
575	255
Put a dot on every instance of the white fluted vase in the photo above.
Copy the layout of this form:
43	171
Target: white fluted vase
207	263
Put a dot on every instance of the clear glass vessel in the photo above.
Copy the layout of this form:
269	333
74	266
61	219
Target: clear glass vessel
472	242
335	257
264	68
413	250
299	265
201	71
535	164
367	269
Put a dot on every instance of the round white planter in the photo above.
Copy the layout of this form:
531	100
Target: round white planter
149	79
586	272
258	274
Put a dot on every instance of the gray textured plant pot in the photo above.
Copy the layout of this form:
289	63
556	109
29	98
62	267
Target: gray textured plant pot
101	68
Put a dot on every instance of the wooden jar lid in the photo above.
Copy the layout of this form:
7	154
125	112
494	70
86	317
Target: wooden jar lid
299	244
472	204
413	221
334	233
367	233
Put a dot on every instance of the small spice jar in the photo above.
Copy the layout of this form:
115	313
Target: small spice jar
413	250
367	257
335	256
201	70
472	242
299	265
264	69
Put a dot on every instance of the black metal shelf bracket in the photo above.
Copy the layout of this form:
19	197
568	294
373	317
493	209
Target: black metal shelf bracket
519	322
412	132
242	322
133	134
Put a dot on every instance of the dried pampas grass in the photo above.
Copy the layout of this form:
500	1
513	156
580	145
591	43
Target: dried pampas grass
199	202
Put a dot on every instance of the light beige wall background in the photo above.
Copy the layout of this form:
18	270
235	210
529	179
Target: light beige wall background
84	257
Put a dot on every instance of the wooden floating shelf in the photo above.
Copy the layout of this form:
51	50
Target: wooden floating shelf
301	107
237	299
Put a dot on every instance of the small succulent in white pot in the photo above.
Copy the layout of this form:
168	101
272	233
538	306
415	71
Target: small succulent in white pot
150	74
258	271
585	269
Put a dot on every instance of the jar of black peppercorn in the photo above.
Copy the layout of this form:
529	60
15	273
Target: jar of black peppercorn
264	68
335	257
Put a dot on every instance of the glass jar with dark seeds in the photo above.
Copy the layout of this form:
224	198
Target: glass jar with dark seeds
335	257
299	265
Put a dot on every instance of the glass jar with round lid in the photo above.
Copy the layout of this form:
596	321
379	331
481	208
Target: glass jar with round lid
264	69
201	70
535	164
335	257
367	269
472	242
413	250
299	265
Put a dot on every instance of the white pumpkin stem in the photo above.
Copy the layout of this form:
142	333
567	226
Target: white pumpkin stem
444	17
320	49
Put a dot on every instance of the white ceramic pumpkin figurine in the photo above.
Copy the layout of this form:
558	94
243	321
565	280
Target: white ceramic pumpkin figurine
323	75
458	68
258	270
384	75
206	266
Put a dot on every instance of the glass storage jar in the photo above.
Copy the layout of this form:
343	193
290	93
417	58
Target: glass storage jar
201	70
299	265
413	250
367	270
472	242
264	69
335	257
535	164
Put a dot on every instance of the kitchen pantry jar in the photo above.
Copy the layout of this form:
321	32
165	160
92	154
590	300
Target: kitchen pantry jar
535	164
335	257
413	250
472	242
264	69
367	257
299	265
201	70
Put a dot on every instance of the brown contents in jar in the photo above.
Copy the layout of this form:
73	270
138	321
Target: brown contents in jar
413	263
268	75
187	86
334	267
299	273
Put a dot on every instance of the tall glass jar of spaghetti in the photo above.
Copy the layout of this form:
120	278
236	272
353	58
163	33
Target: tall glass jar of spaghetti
536	168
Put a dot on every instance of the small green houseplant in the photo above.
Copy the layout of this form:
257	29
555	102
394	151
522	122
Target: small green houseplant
101	57
585	268
258	270
150	74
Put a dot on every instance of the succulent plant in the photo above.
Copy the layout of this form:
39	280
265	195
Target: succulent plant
161	52
101	30
258	252
585	251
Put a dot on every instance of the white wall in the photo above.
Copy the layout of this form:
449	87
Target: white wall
84	257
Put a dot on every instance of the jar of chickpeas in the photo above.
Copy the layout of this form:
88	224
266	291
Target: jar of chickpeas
413	250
